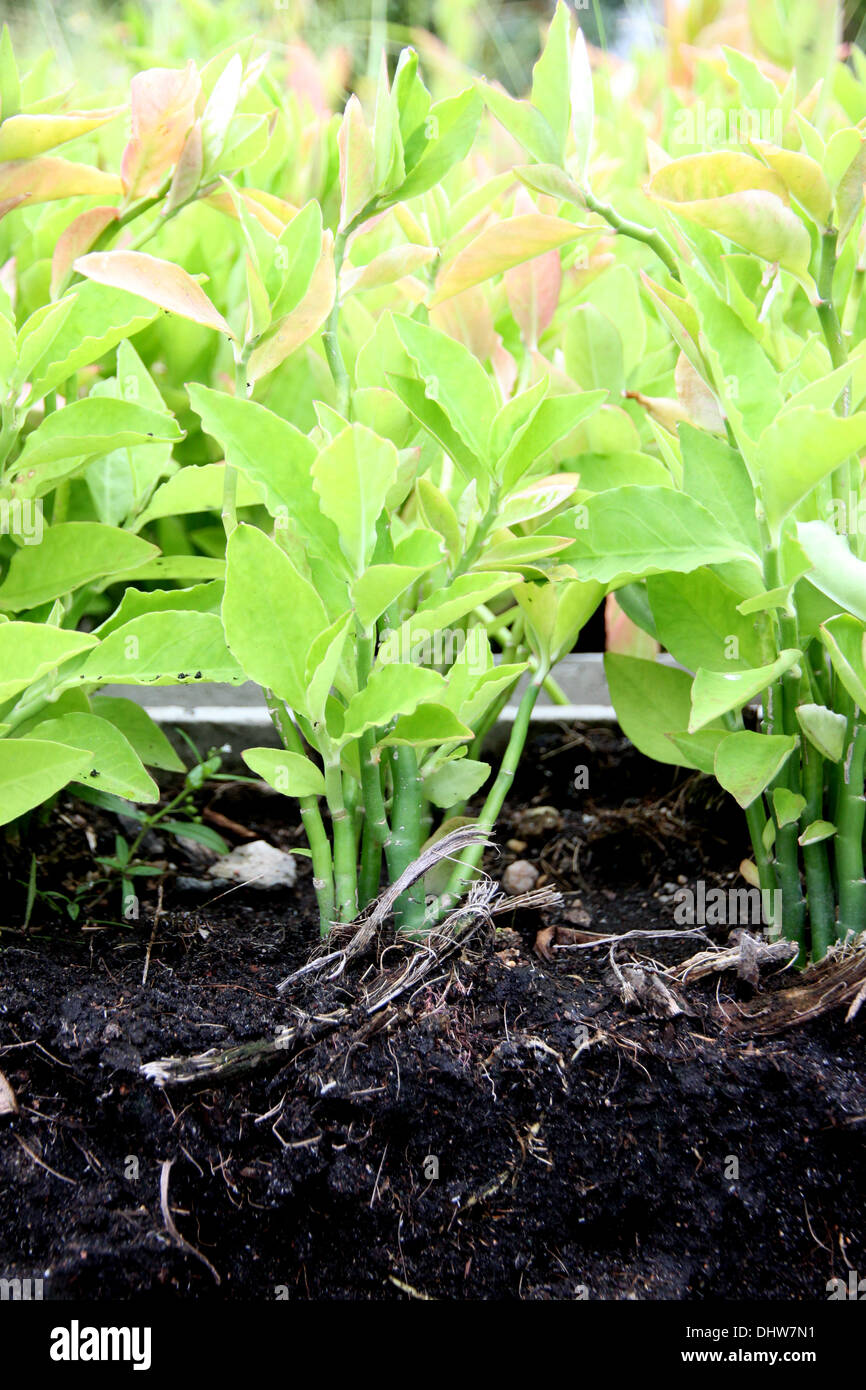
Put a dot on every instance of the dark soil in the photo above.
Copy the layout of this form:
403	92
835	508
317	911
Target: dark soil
521	1135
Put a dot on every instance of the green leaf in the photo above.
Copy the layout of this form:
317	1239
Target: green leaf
29	650
99	319
136	725
70	555
714	693
272	455
455	781
787	806
594	351
746	762
289	773
94	426
454	379
716	476
440	610
555	614
552	421
352	477
798	450
170	648
550	78
697	620
113	764
197	488
824	728
451	124
843	638
428	725
835	570
816	831
634	531
393	689
32	770
652	701
582	102
746	381
525	122
267	597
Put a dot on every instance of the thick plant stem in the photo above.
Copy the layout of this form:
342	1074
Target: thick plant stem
345	866
850	816
311	817
756	820
819	883
471	858
405	840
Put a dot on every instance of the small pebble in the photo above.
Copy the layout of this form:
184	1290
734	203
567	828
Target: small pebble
520	877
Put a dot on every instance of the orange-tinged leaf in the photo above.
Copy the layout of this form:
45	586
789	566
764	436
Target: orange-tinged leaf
357	162
468	318
533	287
23	137
501	246
163	109
303	321
387	267
47	178
75	240
160	282
271	212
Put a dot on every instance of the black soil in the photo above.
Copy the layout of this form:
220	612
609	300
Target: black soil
521	1135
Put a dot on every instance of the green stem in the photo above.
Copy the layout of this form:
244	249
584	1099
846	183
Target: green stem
345	862
405	842
470	858
849	839
376	831
636	230
311	817
819	883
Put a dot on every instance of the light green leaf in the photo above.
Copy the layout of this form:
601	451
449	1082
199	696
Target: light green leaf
697	620
824	728
29	650
352	477
455	781
797	451
32	770
136	725
170	648
652	701
393	689
272	615
94	426
637	531
69	555
428	725
816	831
289	773
113	764
787	806
746	762
835	570
454	379
844	638
272	455
714	693
550	78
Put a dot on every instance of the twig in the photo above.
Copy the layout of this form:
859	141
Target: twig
165	1173
156	916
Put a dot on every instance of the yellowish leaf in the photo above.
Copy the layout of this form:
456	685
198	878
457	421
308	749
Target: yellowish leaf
47	178
503	245
163	110
303	321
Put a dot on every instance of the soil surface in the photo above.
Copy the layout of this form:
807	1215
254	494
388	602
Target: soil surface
517	1132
